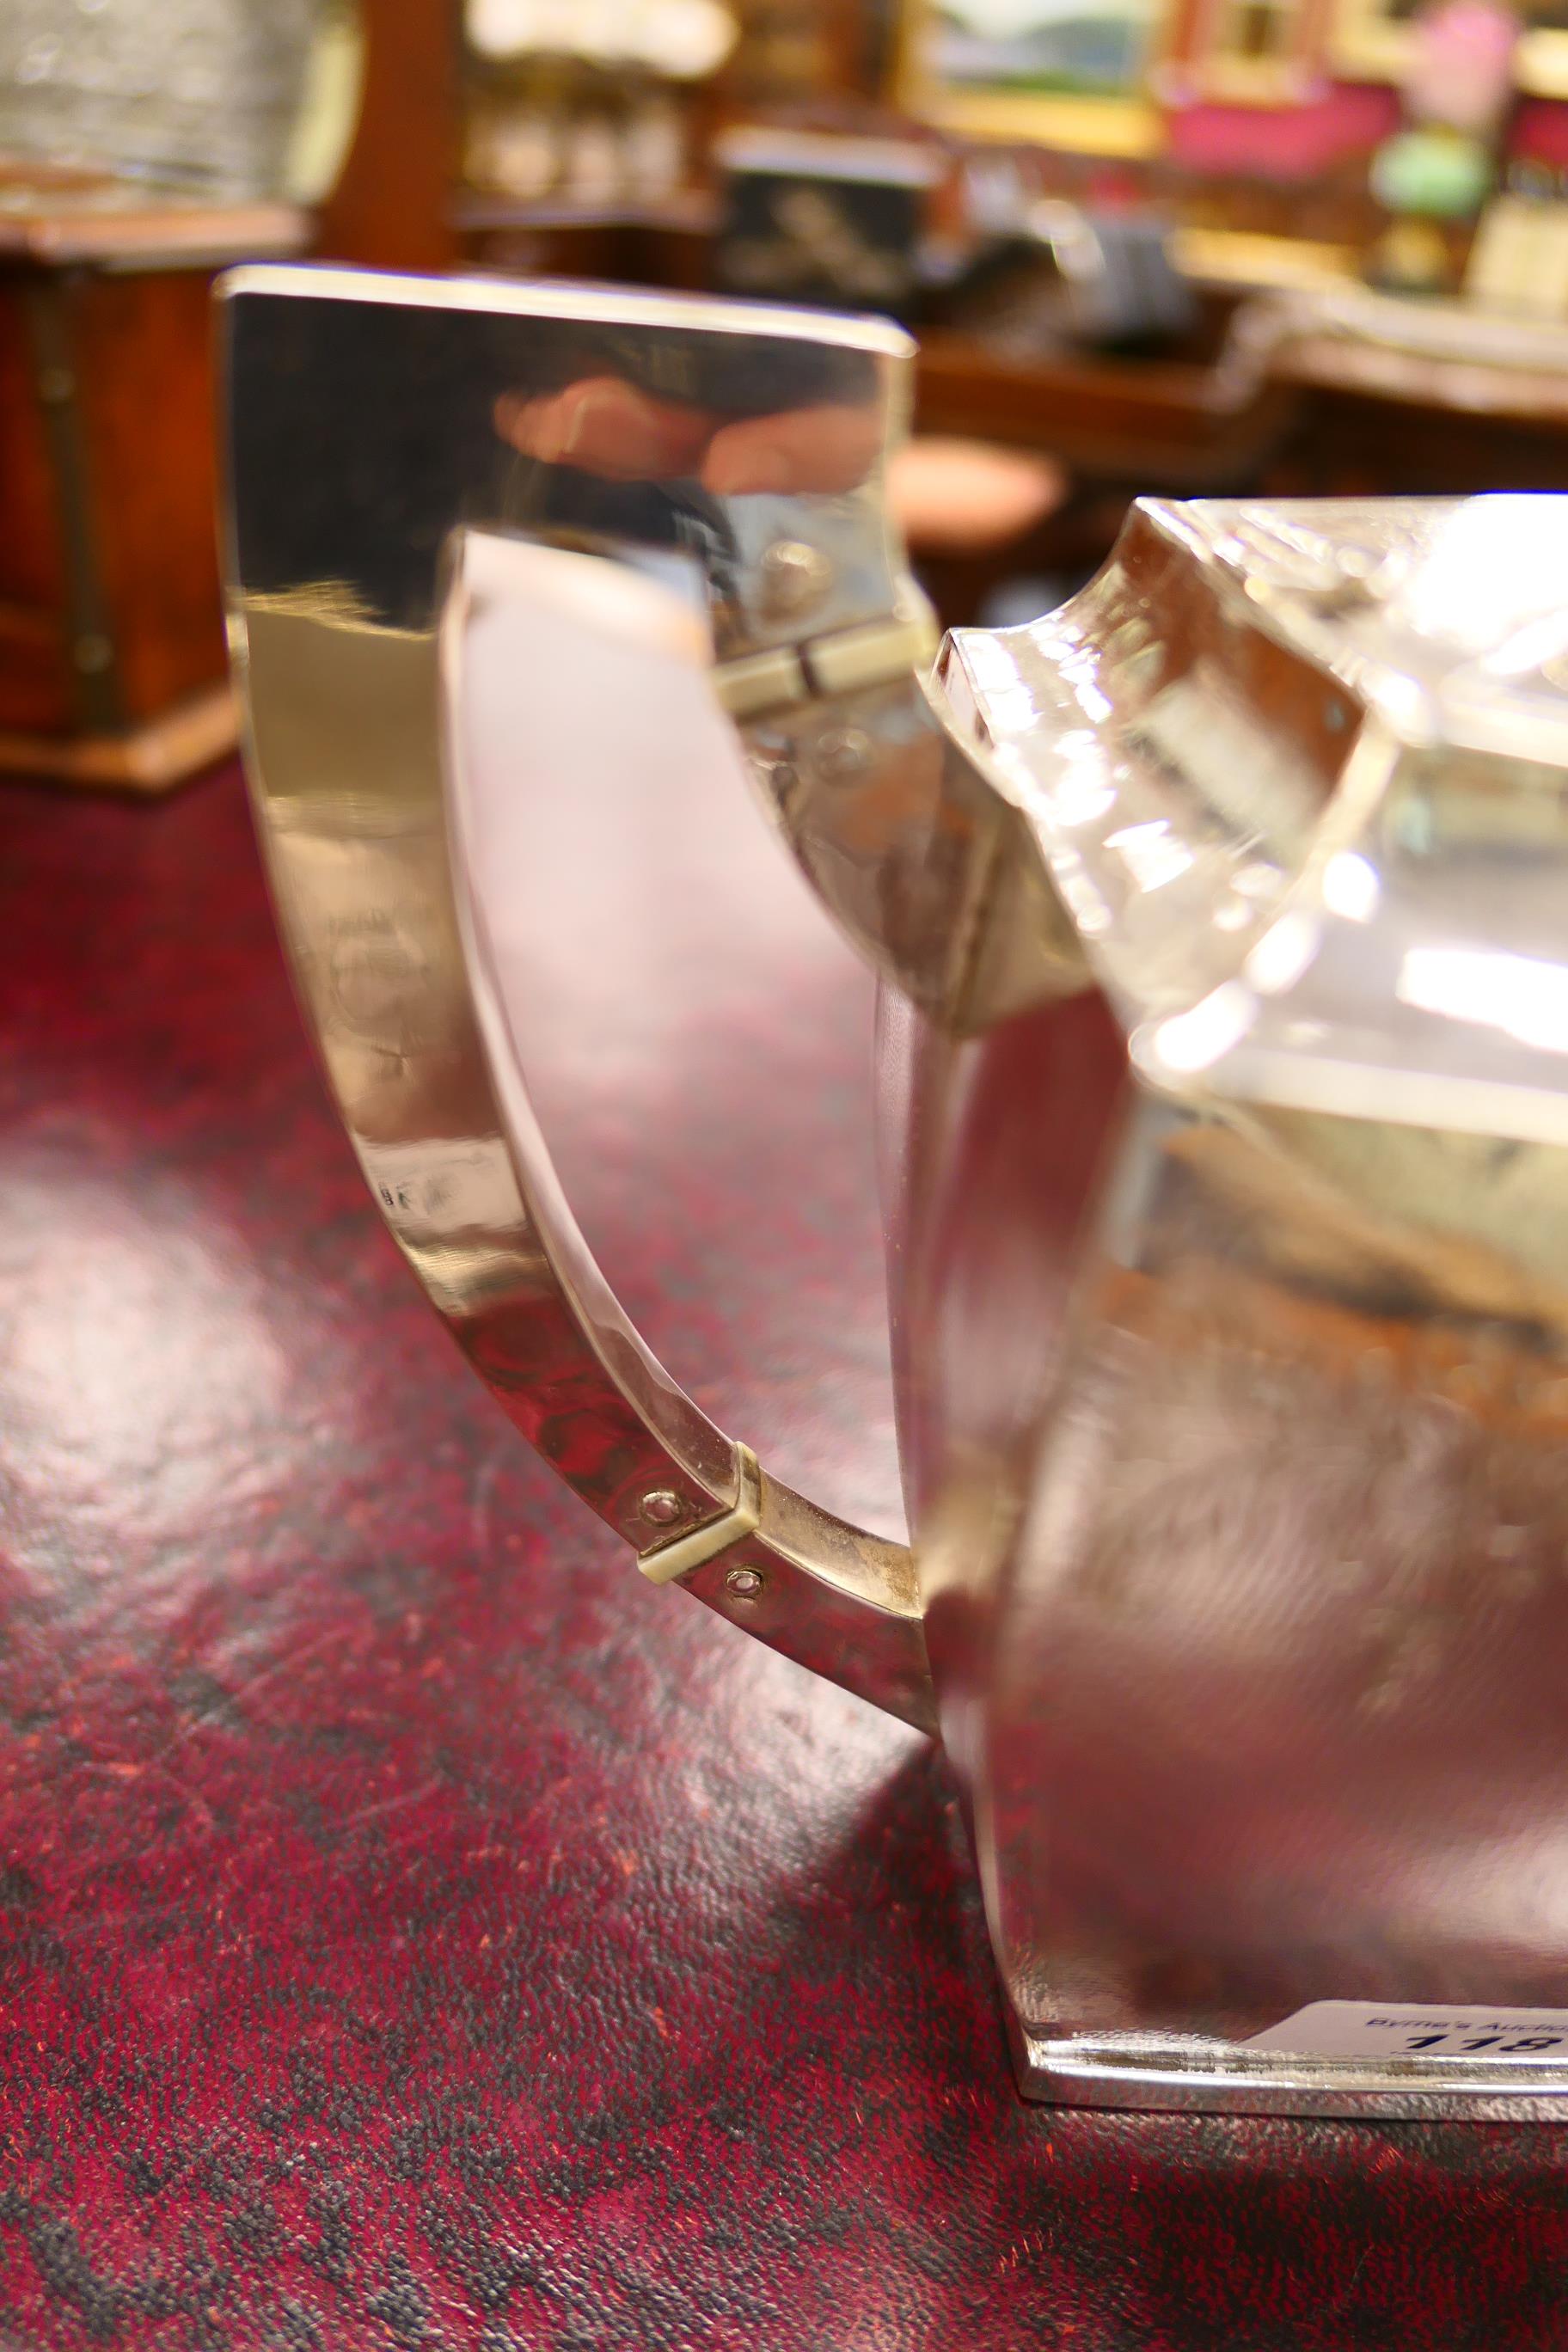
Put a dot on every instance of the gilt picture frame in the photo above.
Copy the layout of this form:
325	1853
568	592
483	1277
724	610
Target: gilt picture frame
1064	73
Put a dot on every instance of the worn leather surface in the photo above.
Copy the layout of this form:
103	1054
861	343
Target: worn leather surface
415	1931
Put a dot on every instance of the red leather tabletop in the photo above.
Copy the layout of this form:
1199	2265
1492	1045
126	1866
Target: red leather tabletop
417	1931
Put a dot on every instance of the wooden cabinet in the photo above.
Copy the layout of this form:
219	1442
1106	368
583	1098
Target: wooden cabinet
111	650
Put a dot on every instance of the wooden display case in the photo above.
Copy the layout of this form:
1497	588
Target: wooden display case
112	665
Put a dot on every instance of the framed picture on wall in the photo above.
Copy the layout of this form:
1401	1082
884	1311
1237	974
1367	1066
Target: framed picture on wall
1372	38
1248	52
1069	73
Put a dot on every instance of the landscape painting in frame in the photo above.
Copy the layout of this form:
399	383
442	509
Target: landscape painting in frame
1040	49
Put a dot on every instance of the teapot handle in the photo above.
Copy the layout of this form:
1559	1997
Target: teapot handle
366	426
556	1344
411	1032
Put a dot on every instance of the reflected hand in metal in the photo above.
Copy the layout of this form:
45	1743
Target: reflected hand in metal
693	489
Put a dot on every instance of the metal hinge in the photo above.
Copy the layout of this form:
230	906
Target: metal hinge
877	652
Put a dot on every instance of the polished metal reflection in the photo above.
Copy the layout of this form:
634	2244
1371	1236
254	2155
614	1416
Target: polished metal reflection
1225	1098
385	433
1259	1657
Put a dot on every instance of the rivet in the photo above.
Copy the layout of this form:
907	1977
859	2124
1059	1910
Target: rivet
662	1506
794	577
843	754
780	776
55	385
745	1583
92	654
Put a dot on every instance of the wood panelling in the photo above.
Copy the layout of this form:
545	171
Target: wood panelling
112	642
391	208
144	349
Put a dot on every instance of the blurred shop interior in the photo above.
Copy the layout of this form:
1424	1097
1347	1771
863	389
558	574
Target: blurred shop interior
1306	248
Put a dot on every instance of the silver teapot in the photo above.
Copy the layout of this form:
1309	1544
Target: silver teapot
1224	1091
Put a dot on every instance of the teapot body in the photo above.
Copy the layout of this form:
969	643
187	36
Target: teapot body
1244	1592
1243	1571
1231	1324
